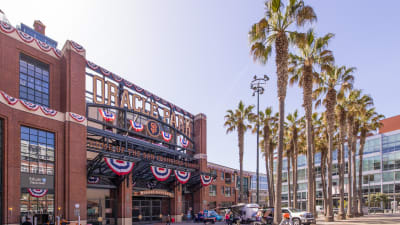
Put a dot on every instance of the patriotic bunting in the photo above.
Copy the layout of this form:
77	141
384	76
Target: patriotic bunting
37	193
77	117
93	180
29	105
9	99
5	27
105	72
166	136
206	180
136	126
57	52
77	46
160	173
116	77
182	176
47	111
92	65
42	45
119	167
184	142
25	37
107	115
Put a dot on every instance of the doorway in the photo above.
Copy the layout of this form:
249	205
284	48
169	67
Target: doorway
146	209
101	207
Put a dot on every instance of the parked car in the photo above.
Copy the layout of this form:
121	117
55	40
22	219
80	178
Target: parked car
299	216
375	210
214	214
245	213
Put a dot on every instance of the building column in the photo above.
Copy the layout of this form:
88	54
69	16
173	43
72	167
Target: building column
73	100
124	201
200	139
176	203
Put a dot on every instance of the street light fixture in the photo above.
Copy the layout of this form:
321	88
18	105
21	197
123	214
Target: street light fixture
257	85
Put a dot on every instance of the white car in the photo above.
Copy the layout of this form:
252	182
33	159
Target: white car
298	216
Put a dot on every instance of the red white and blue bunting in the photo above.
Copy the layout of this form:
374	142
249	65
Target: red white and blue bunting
29	105
166	136
9	99
119	167
77	117
93	180
182	176
77	46
47	111
107	115
138	127
206	180
160	173
37	193
184	142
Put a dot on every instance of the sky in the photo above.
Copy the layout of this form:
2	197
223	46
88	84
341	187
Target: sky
196	54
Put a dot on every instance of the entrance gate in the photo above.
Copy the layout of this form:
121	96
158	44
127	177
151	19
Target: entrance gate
146	210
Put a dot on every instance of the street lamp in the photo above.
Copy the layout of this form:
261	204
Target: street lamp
257	86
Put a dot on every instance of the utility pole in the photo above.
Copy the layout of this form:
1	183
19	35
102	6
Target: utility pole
257	86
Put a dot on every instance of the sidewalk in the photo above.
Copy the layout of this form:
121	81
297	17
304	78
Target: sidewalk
380	218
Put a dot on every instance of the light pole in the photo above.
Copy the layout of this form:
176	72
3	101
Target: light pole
257	86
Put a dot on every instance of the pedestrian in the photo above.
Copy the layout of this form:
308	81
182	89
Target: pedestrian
27	221
169	219
230	218
227	217
286	219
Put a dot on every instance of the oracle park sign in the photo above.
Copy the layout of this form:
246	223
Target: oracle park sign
147	113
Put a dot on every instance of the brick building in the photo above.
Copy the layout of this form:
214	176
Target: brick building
79	142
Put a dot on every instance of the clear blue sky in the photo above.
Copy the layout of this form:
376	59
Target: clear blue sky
196	53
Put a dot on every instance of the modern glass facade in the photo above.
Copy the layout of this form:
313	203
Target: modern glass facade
381	171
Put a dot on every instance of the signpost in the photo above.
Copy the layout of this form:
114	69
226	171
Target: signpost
78	213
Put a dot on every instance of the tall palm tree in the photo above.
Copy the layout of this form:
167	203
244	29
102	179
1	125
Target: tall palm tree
311	53
272	32
239	120
369	121
334	81
288	155
267	121
293	121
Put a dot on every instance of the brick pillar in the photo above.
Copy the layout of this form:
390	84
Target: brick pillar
73	100
124	201
200	138
176	203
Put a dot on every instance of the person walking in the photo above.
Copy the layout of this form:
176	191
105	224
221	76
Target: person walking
27	221
286	219
169	219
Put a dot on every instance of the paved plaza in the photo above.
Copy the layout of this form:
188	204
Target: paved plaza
386	219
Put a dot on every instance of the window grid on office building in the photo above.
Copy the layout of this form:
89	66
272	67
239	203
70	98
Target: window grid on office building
33	80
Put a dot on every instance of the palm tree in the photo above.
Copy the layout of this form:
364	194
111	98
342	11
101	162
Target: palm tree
272	31
311	53
334	82
239	120
267	121
369	121
293	130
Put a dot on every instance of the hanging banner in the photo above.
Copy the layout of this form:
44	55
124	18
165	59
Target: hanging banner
93	180
119	167
166	136
136	126
182	176
160	173
184	142
206	180
37	193
107	115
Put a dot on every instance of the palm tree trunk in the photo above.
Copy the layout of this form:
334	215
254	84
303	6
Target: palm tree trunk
267	165
294	174
341	162
282	56
271	174
354	183
288	179
323	180
349	159
360	194
330	116
307	103
241	140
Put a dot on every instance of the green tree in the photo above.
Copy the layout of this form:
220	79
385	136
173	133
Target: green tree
272	32
239	120
334	82
311	53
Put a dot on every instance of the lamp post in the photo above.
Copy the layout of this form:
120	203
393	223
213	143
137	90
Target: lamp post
257	86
